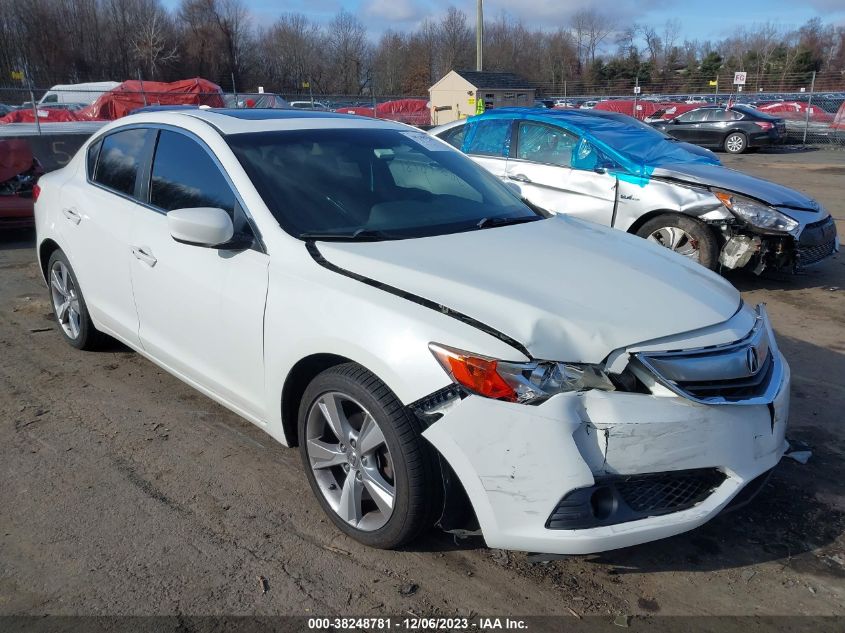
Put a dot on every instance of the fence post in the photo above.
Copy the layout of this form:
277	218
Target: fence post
809	105
143	94
32	97
35	111
234	90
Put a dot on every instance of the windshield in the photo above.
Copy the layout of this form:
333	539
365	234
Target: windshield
372	184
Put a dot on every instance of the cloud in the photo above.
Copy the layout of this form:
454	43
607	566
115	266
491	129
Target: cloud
391	11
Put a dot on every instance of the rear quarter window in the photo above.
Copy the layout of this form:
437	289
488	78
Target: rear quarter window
93	153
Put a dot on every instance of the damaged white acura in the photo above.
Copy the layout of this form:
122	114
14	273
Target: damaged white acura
441	352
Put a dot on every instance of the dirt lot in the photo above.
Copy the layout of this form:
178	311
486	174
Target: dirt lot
126	492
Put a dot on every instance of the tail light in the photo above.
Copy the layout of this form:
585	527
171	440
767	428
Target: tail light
36	191
764	125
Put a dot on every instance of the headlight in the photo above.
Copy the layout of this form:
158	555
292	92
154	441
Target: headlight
526	383
756	213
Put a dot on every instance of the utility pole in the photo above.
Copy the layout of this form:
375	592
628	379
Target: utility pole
479	35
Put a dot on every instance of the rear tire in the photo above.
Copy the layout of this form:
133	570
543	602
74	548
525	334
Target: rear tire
359	443
735	143
684	235
69	306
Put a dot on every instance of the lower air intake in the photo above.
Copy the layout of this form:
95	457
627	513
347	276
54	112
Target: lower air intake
623	498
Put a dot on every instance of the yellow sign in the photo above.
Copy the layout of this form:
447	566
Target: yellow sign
17	74
471	101
714	83
306	84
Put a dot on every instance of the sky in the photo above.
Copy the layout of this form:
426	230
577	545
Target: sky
701	19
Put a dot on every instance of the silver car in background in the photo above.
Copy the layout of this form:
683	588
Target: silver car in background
613	170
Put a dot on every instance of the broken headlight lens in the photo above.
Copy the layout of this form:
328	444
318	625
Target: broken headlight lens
526	383
756	213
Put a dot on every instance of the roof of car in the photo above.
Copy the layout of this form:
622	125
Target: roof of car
634	144
244	120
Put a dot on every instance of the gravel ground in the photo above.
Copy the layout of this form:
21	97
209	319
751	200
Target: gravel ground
125	492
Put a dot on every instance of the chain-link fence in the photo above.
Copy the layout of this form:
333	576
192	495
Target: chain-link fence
812	115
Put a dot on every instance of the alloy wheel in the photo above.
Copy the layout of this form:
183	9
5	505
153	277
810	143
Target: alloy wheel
678	240
735	143
65	300
350	461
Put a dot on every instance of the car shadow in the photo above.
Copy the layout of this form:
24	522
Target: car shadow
16	239
829	274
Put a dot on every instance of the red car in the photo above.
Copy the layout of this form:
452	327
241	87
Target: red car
19	171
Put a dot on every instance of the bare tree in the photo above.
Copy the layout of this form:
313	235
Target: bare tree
153	44
455	41
289	53
349	53
591	28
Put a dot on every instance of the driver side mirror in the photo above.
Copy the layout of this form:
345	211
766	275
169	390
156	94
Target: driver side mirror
200	226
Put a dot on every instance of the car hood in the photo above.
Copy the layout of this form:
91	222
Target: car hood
722	177
566	289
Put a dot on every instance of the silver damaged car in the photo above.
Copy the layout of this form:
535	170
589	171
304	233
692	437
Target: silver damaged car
611	169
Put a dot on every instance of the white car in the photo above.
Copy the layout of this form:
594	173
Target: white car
308	105
433	345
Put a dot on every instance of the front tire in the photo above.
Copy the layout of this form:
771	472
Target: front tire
735	143
366	461
69	306
684	235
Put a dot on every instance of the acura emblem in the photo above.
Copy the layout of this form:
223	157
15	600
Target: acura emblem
751	360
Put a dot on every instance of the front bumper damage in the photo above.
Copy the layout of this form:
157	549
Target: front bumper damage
742	247
532	473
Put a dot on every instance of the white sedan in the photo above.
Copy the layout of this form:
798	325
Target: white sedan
441	352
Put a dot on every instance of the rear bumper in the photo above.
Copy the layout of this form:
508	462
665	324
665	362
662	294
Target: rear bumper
764	139
518	462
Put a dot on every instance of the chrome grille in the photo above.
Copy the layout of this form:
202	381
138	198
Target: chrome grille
748	371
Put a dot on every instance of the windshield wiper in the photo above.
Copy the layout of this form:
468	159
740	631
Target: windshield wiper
369	235
487	223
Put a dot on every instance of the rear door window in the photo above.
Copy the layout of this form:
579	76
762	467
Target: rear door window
490	137
726	115
695	116
119	160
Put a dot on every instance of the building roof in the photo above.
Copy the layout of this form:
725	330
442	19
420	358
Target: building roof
491	80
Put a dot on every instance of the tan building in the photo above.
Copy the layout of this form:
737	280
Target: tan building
455	96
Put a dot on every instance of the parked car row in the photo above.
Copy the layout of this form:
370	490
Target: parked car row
734	129
442	348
